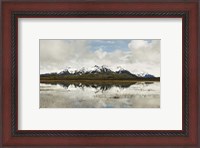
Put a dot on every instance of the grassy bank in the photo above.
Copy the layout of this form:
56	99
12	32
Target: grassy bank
98	81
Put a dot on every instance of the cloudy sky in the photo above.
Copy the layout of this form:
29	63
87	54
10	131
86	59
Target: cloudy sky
133	55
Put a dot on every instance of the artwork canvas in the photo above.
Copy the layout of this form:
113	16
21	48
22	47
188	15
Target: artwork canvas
99	73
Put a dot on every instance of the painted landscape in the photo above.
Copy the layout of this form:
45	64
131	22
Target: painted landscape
99	73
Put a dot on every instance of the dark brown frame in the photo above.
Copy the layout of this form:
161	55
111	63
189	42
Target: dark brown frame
188	11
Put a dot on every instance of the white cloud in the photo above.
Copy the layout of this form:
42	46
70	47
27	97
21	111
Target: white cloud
56	55
146	55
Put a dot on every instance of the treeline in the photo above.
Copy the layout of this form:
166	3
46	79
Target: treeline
96	77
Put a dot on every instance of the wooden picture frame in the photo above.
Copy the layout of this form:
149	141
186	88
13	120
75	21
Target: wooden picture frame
188	11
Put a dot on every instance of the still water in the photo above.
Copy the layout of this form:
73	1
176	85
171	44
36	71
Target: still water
78	95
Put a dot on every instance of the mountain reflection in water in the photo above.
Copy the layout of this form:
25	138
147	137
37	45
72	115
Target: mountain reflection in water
100	94
102	86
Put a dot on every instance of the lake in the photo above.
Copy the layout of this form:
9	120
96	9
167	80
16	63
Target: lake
100	95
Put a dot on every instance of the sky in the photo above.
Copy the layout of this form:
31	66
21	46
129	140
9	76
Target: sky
133	55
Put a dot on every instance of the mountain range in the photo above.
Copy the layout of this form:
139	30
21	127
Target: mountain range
97	72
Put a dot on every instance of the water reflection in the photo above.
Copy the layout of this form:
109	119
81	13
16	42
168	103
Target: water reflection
100	94
100	86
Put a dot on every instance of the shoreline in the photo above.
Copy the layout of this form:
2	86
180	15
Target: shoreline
94	81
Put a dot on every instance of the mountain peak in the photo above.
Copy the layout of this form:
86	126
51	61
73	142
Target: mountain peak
119	68
145	75
96	66
103	69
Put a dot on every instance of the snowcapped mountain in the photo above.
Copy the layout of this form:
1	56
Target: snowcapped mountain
64	72
105	68
145	75
101	72
94	70
121	70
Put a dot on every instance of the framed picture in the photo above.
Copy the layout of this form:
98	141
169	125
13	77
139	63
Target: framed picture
100	73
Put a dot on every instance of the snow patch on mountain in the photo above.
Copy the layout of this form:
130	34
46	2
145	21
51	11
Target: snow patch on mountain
104	68
144	75
95	68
